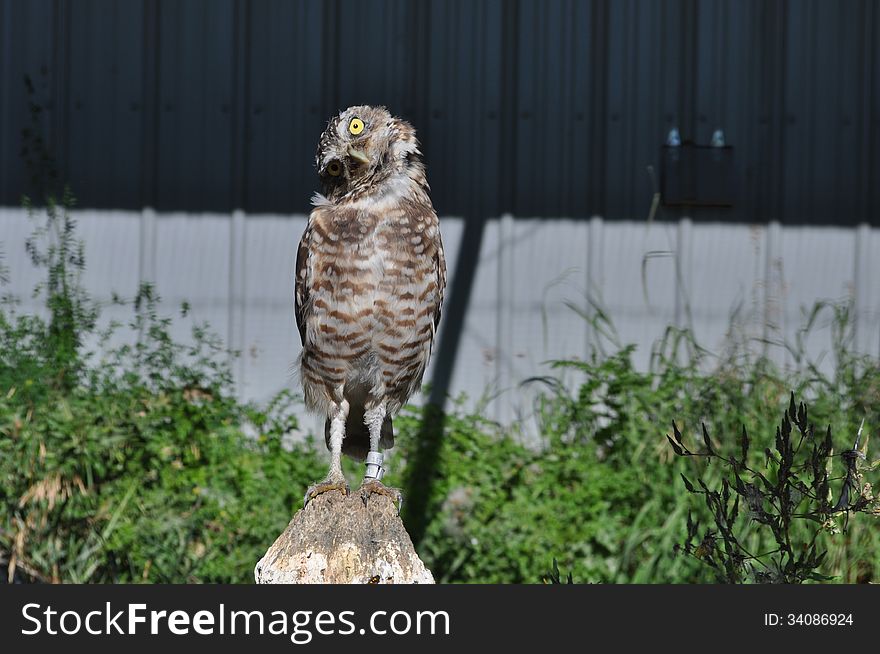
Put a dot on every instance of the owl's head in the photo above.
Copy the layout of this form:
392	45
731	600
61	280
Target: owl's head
363	147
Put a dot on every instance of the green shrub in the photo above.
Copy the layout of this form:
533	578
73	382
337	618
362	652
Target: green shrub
604	494
134	463
139	469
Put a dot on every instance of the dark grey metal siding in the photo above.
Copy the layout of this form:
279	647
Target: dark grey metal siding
537	107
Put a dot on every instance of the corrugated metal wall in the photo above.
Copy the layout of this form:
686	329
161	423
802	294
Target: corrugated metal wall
533	107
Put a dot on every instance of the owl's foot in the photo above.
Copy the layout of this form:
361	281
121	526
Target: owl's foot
374	486
324	487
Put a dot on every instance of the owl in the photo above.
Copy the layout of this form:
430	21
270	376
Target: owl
370	277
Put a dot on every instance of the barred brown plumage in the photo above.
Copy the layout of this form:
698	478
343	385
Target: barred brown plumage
370	276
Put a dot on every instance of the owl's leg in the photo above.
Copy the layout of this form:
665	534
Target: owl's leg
335	479
337	433
374	418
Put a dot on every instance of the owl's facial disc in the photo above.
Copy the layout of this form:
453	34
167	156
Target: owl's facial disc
362	148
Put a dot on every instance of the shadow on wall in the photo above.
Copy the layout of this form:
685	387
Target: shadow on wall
422	470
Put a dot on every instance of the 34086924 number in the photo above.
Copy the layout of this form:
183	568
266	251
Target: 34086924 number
819	619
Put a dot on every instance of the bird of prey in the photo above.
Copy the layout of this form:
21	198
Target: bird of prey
370	276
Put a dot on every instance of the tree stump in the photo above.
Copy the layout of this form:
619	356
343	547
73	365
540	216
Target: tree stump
344	539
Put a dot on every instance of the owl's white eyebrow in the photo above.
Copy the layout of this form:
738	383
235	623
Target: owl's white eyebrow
319	200
403	148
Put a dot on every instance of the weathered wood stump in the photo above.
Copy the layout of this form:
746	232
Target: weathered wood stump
344	539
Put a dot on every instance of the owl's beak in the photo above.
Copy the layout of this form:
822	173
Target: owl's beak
358	155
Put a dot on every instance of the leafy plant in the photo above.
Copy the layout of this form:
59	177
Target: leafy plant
555	577
795	487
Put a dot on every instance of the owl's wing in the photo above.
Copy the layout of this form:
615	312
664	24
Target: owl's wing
303	283
440	280
440	269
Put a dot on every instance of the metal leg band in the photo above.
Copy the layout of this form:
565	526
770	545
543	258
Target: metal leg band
375	469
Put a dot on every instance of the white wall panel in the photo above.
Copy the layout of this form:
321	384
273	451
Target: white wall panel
236	272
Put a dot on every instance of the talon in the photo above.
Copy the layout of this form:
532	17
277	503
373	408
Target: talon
371	486
324	487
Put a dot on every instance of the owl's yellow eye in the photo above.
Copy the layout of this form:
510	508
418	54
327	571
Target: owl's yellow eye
356	126
335	169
